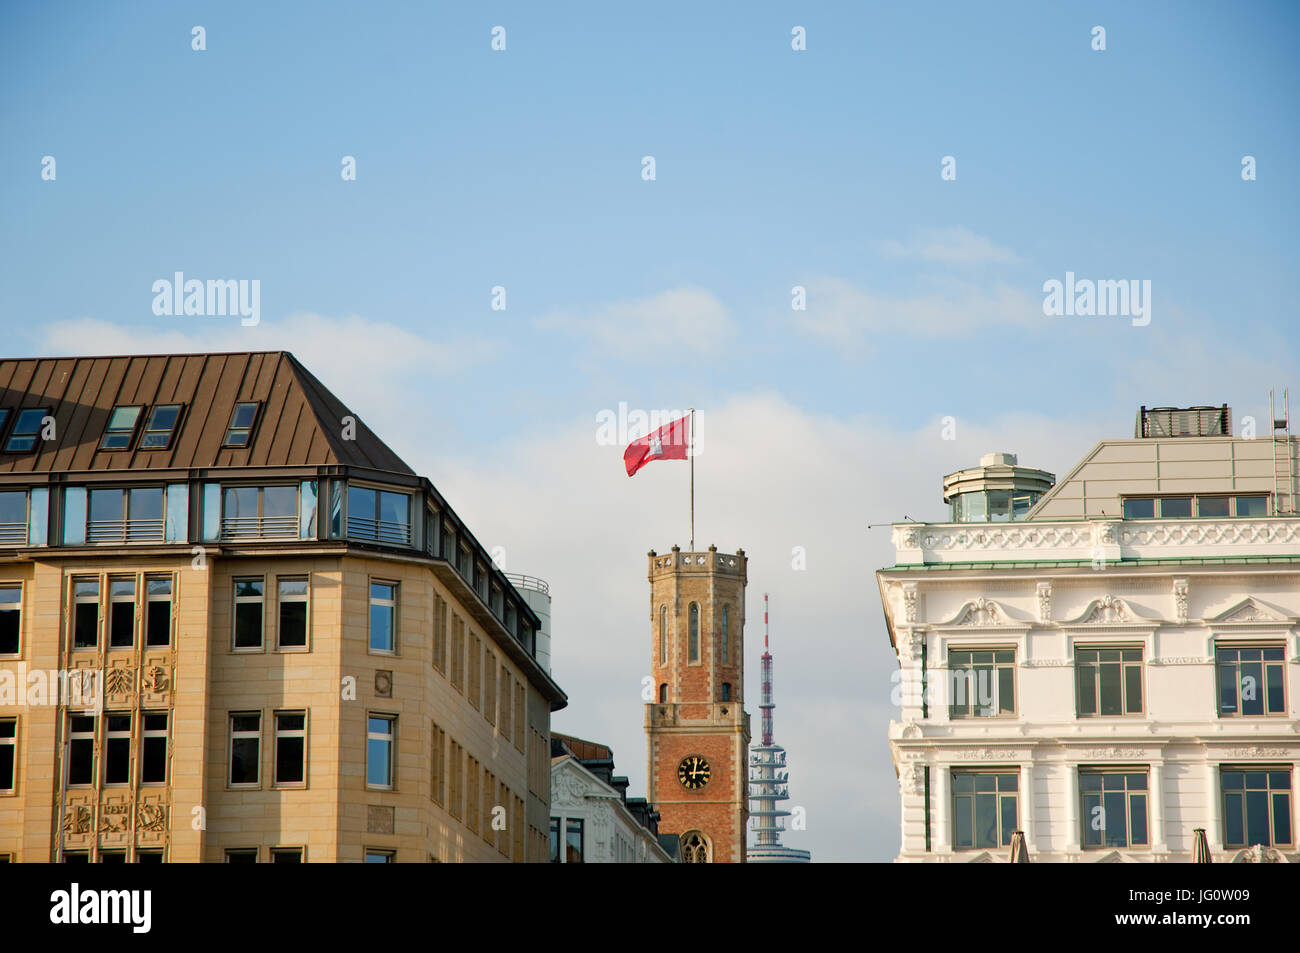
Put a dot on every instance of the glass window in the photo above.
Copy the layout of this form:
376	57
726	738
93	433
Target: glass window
121	613
383	617
1114	808
159	428
976	507
8	752
663	635
1212	506
286	855
26	429
245	747
248	614
695	632
255	512
726	691
290	747
999	506
1139	508
81	750
984	809
1252	506
726	635
382	516
1256	807
555	840
177	528
153	749
573	841
1251	679
243	855
982	682
1022	503
11	619
158	611
211	512
1108	681
379	750
292	604
241	424
85	613
13	517
1175	507
379	856
120	429
307	510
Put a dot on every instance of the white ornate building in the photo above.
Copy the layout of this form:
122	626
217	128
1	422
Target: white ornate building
1113	670
592	820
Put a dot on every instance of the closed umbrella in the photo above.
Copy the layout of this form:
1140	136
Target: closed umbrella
1019	852
1200	847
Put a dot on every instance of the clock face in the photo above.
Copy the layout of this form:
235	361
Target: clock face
693	772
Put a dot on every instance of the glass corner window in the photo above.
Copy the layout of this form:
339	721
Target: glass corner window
15	528
307	510
211	512
74	515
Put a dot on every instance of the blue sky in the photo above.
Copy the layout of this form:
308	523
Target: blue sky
774	168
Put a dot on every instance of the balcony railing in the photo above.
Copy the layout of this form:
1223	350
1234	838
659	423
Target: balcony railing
124	531
13	534
380	531
259	527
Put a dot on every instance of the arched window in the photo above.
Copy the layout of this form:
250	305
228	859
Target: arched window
726	691
663	635
726	640
695	848
695	632
663	693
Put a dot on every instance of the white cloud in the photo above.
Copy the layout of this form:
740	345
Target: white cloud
683	318
848	317
953	246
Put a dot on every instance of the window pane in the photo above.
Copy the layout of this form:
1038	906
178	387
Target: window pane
1138	822
293	623
1087	687
122	625
381	627
1252	506
159	622
1281	818
999	506
1092	822
240	502
289	760
105	505
1212	505
1111	701
1132	689
243	416
248	625
1273	689
1227	689
1257	818
1113	802
280	501
1233	828
86	625
1252	688
1008	819
153	769
243	760
146	503
1006	690
986	820
1139	509
962	836
307	510
1175	507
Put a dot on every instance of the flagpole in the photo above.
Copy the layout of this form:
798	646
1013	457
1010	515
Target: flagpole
690	451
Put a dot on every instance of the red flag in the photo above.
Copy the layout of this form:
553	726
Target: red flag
667	443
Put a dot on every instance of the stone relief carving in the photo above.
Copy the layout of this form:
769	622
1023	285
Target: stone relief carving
77	820
909	601
912	780
980	612
1108	609
1044	602
119	681
1180	599
156	679
1114	752
152	818
1256	751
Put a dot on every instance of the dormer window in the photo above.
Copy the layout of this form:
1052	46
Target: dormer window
120	429
160	427
26	429
241	425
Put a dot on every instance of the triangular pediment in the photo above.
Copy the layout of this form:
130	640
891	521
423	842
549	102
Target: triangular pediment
1249	610
983	857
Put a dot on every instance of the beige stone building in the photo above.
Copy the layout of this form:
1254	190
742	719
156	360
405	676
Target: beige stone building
235	626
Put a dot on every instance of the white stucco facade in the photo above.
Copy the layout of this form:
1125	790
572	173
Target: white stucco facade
610	834
1047	595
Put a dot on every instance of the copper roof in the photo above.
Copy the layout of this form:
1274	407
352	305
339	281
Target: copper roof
299	422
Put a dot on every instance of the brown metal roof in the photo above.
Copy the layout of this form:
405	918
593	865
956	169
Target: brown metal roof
299	422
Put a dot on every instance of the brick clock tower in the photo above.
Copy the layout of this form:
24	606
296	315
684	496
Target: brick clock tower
697	732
